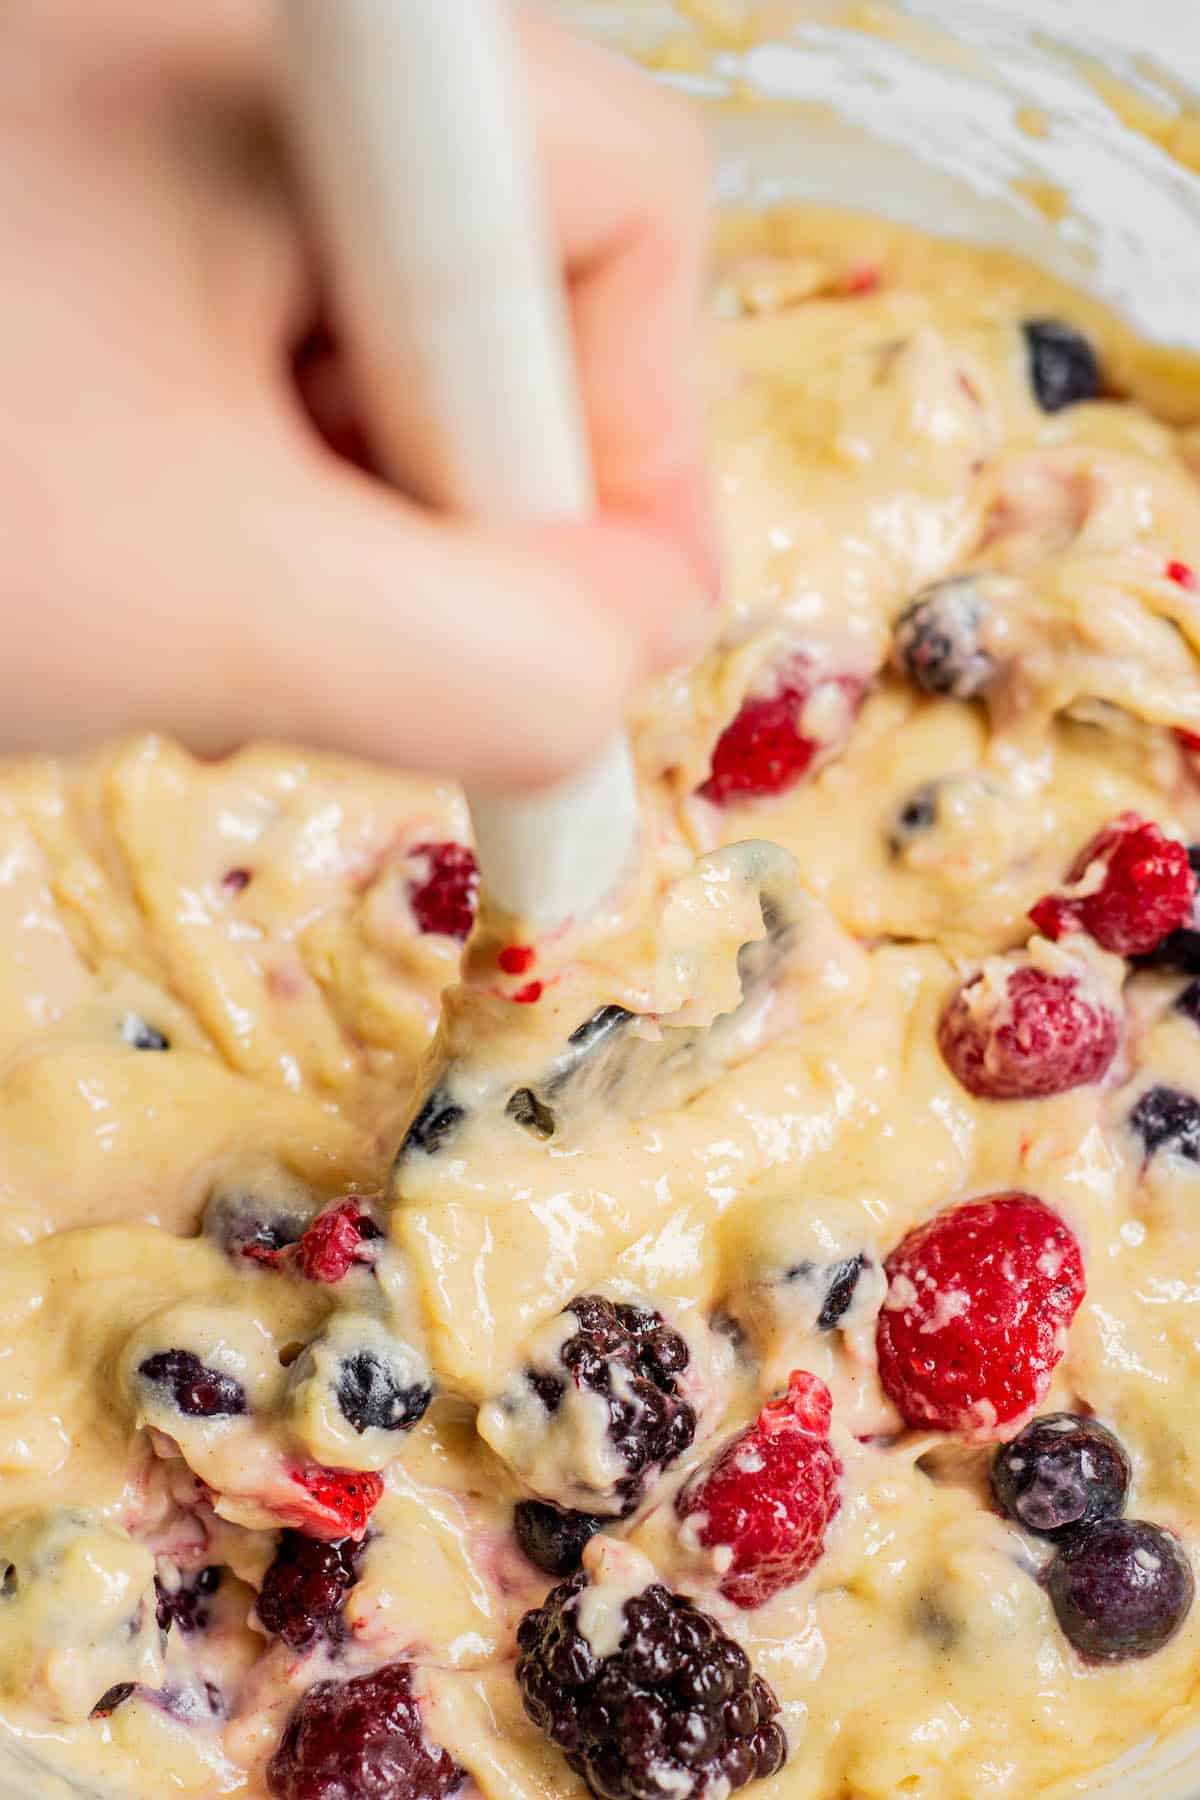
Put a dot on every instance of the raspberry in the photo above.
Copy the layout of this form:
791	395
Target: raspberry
1044	1034
303	1590
1180	950
361	1740
335	1241
198	1392
771	1494
630	1356
182	1602
675	1710
1063	367
1061	1475
976	1317
769	746
444	899
1121	1589
1146	889
334	1503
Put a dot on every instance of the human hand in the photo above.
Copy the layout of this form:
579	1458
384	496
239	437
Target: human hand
182	549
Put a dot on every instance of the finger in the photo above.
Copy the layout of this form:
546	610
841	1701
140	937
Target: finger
626	170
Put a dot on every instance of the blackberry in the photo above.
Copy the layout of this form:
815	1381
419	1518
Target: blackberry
182	1603
1165	1118
937	640
361	1738
198	1391
303	1590
1062	1474
1121	1589
675	1711
553	1537
628	1354
1063	367
374	1396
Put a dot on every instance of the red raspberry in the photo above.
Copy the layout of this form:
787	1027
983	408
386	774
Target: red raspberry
1145	891
335	1242
332	1503
764	751
771	1494
443	900
976	1316
1043	1035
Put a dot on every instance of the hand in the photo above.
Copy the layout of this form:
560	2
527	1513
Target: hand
183	551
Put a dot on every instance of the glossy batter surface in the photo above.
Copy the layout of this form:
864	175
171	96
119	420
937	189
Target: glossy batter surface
874	431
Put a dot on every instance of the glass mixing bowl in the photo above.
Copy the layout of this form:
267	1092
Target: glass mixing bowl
1059	128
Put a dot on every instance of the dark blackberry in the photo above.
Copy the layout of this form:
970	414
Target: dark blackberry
1062	1474
140	1035
649	1423
361	1740
1121	1589
1166	1118
1063	367
198	1391
114	1697
937	640
303	1590
184	1604
1179	950
553	1537
374	1396
676	1711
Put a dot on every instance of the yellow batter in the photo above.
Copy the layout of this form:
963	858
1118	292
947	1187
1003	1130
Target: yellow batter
874	431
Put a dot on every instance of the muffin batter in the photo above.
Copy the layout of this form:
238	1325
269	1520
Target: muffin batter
245	1454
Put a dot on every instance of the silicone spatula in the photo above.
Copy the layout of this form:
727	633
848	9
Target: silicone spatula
418	148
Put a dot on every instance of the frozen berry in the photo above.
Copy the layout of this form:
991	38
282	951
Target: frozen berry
445	894
1121	1589
1166	1118
199	1392
1063	367
182	1600
1063	1473
802	718
771	1495
361	1740
975	1322
258	1216
553	1537
333	1503
303	1590
336	1241
374	1394
1180	950
1037	1033
938	639
140	1035
674	1712
628	1354
1134	887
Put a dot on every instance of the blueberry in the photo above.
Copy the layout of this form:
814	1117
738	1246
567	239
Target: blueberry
436	1123
114	1697
1063	367
1062	1474
918	814
374	1397
1121	1589
531	1113
552	1537
142	1036
937	640
843	1280
1166	1118
199	1392
258	1217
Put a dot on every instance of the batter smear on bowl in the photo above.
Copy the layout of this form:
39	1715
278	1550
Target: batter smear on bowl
823	1431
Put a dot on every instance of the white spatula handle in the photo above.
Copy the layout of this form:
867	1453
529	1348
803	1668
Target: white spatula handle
420	154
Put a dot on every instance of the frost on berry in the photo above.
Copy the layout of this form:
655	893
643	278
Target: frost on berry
766	1502
800	719
1023	1029
980	1299
1129	888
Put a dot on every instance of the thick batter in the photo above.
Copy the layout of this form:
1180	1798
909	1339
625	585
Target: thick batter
244	1460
